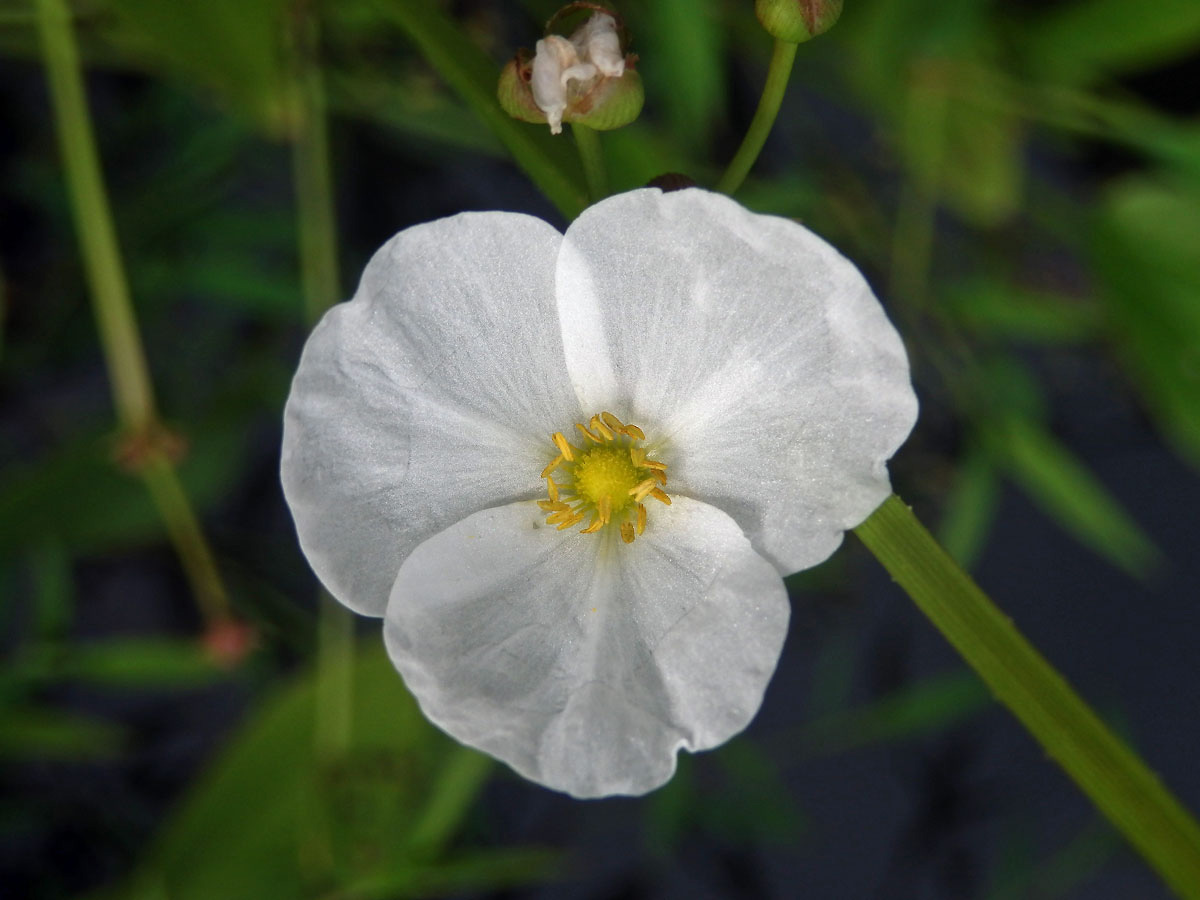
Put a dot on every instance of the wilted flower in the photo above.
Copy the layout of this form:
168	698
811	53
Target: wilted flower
569	470
586	79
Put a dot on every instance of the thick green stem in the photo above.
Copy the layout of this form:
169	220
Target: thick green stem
591	154
778	74
129	375
1116	780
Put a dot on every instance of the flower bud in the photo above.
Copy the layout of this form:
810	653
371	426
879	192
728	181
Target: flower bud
797	20
586	79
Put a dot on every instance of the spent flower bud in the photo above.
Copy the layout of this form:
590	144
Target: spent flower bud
797	20
587	78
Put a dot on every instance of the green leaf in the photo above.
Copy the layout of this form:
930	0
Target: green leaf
1145	250
1086	39
412	110
469	72
962	138
756	807
1067	491
42	733
272	819
970	509
681	48
1077	862
233	47
927	707
135	662
994	309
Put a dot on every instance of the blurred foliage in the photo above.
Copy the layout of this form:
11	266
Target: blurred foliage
372	821
940	144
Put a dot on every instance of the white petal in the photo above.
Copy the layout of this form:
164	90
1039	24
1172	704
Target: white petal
750	351
582	662
431	395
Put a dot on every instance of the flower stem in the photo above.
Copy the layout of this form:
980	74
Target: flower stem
123	353
184	529
587	141
1115	778
133	394
778	74
321	288
311	173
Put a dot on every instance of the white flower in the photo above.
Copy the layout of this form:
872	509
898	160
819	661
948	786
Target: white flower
431	414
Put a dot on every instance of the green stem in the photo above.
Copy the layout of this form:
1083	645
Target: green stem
320	286
334	724
129	375
458	783
1116	780
312	174
591	154
183	527
778	74
123	352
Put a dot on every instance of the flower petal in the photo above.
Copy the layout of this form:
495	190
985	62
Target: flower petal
582	662
751	352
429	396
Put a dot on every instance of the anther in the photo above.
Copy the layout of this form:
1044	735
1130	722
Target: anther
627	532
639	492
587	433
554	465
563	447
658	495
641	522
634	432
603	429
612	422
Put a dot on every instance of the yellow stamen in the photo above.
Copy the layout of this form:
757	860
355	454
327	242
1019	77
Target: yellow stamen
563	447
601	429
639	491
587	433
604	481
554	465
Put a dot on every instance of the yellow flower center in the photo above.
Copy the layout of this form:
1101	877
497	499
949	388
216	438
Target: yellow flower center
604	480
